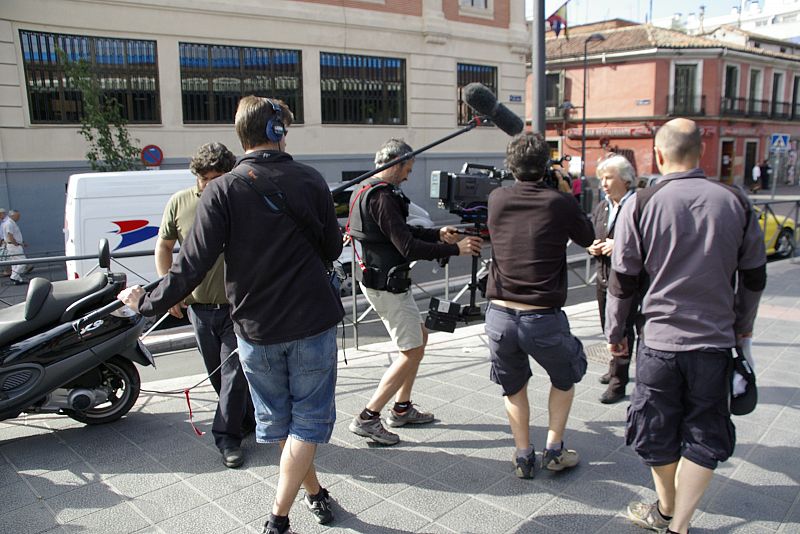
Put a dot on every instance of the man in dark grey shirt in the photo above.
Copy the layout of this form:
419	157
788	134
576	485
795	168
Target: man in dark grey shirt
692	238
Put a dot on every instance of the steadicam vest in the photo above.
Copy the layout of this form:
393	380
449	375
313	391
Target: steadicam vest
377	249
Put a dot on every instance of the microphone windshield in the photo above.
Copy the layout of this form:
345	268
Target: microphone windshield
483	101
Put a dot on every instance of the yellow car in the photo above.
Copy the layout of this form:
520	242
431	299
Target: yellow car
779	232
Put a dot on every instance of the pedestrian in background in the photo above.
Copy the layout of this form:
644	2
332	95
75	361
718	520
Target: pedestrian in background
766	174
755	178
702	249
4	271
208	308
617	181
15	247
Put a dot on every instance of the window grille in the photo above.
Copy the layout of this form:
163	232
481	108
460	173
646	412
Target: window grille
362	89
473	73
215	77
125	69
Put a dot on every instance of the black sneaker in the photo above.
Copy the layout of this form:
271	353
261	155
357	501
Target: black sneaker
320	506
524	466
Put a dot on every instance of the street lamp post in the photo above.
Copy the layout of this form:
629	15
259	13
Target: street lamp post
595	37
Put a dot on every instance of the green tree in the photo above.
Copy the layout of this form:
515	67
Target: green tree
102	124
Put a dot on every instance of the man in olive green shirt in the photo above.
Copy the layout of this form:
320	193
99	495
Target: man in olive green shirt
208	308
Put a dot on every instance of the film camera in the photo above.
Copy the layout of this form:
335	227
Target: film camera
466	193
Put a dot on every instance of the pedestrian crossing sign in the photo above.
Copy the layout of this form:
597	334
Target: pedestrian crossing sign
779	142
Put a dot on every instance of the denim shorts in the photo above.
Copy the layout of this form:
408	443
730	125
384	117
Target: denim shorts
679	407
292	385
514	335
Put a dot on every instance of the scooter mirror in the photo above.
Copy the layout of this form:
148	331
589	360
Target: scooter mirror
104	256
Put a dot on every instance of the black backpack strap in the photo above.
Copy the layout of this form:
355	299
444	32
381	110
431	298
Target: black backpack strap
275	200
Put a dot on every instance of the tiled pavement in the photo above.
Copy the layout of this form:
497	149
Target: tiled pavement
150	473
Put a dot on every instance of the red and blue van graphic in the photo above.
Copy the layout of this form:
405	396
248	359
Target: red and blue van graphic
133	232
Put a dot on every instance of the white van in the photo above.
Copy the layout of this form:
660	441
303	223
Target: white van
126	208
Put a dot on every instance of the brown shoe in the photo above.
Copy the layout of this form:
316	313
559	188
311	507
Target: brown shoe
610	396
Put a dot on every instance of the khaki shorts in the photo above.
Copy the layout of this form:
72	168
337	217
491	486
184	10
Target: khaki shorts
399	314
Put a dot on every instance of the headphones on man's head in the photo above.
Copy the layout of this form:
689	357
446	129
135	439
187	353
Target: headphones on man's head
275	128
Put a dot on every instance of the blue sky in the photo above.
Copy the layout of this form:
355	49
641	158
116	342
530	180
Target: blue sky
583	11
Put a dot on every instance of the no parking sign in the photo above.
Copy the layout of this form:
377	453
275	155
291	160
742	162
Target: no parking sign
152	156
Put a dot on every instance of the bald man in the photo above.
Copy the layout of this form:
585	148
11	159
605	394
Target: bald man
690	236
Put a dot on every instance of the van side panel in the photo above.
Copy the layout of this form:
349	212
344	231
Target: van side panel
126	209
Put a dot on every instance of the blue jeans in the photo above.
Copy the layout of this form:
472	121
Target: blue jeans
293	385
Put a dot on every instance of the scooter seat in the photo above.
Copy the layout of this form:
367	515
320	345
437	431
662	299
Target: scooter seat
45	304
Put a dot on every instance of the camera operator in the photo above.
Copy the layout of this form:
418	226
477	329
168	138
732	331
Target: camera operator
378	212
530	223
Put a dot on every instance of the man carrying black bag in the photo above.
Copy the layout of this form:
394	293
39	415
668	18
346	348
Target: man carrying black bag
378	212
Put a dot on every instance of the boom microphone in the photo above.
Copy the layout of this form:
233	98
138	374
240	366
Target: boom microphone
482	100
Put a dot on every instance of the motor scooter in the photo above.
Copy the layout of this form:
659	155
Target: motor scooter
70	349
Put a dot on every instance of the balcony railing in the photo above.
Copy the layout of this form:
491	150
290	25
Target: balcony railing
758	108
733	107
780	110
686	105
747	107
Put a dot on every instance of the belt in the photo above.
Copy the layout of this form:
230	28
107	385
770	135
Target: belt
533	311
199	306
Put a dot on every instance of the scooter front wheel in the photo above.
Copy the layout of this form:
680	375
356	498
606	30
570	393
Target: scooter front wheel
121	378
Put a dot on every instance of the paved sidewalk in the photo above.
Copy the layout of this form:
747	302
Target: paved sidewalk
150	473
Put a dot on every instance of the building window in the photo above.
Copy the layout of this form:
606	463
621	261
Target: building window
468	74
755	92
126	71
686	99
478	4
362	89
554	95
215	77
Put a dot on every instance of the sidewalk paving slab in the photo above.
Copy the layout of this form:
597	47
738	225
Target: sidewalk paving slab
150	473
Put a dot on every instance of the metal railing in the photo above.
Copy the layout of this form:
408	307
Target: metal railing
580	265
750	107
686	105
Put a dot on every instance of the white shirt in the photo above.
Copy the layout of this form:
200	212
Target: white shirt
756	173
10	227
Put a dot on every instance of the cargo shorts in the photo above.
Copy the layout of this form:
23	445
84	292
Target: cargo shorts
679	407
544	335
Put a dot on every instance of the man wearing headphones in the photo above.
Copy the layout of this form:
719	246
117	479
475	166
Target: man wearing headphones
276	222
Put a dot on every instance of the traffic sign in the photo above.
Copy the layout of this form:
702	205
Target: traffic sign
152	156
779	142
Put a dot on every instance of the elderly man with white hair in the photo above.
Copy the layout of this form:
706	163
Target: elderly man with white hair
618	181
